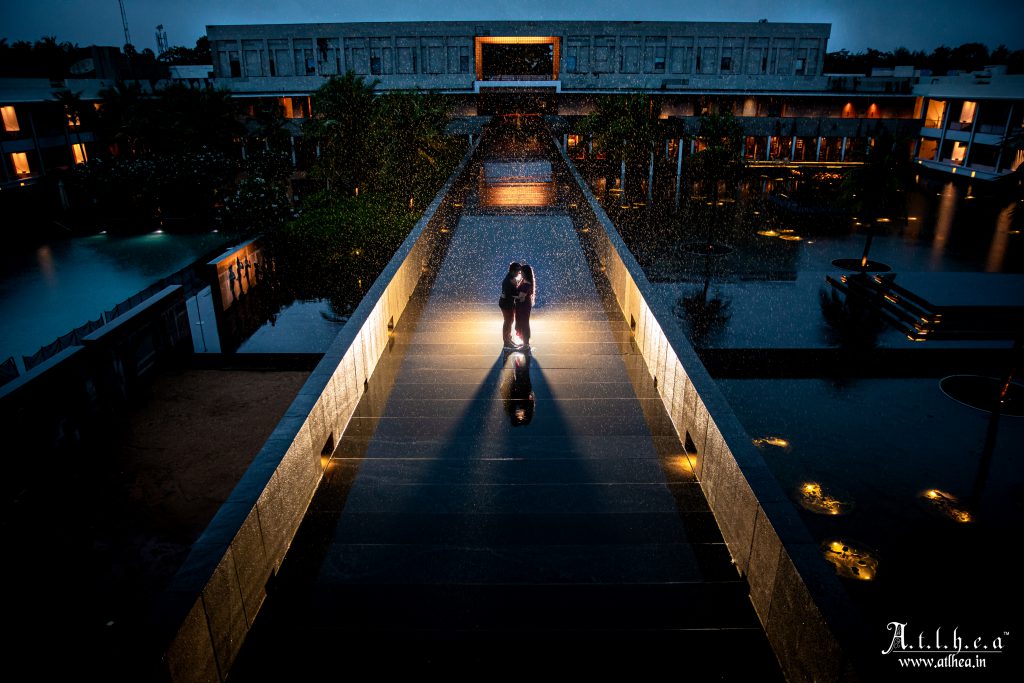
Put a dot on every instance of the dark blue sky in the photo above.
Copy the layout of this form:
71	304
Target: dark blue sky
856	24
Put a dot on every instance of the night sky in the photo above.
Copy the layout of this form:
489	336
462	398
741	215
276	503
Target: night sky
856	24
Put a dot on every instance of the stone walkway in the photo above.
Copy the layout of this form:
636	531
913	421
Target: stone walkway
447	537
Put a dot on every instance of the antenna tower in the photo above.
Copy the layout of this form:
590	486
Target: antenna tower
161	39
124	23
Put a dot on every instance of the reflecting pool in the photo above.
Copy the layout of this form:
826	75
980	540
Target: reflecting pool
48	290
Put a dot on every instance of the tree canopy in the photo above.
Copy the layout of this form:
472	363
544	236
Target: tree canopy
940	61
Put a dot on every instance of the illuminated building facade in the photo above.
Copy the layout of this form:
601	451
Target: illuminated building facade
967	118
36	132
770	75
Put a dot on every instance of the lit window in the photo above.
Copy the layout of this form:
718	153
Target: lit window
10	120
79	151
936	110
967	112
959	149
286	108
20	162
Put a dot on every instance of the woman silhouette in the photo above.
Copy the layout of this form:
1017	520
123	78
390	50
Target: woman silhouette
526	296
507	302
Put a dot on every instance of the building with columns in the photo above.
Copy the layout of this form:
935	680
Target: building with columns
967	118
770	75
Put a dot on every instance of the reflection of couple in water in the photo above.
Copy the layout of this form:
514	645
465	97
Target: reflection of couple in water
518	294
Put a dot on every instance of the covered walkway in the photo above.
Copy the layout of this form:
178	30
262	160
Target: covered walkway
448	534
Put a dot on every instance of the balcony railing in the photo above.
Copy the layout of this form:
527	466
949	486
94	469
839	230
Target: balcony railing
991	128
519	77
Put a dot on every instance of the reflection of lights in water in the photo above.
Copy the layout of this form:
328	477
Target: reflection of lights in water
946	504
851	562
45	258
791	238
776	441
814	499
767	233
1000	240
517	194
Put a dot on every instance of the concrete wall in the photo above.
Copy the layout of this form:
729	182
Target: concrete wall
806	613
216	595
593	55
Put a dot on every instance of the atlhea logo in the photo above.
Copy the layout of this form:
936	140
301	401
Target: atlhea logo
940	643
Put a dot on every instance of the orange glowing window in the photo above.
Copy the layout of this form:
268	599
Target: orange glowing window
20	162
10	119
78	150
959	150
967	112
936	110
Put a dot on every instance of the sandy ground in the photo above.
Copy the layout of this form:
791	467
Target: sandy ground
98	538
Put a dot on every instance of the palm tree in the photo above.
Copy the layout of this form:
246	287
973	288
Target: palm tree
628	124
875	192
342	110
123	118
75	111
719	160
407	142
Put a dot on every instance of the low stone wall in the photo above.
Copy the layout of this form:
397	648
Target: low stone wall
75	395
216	595
810	620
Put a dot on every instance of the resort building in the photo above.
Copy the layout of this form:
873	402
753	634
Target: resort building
770	75
38	133
967	119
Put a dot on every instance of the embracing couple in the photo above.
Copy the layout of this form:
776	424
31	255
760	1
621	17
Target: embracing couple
518	294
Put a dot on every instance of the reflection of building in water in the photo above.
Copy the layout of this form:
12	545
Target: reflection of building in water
516	184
